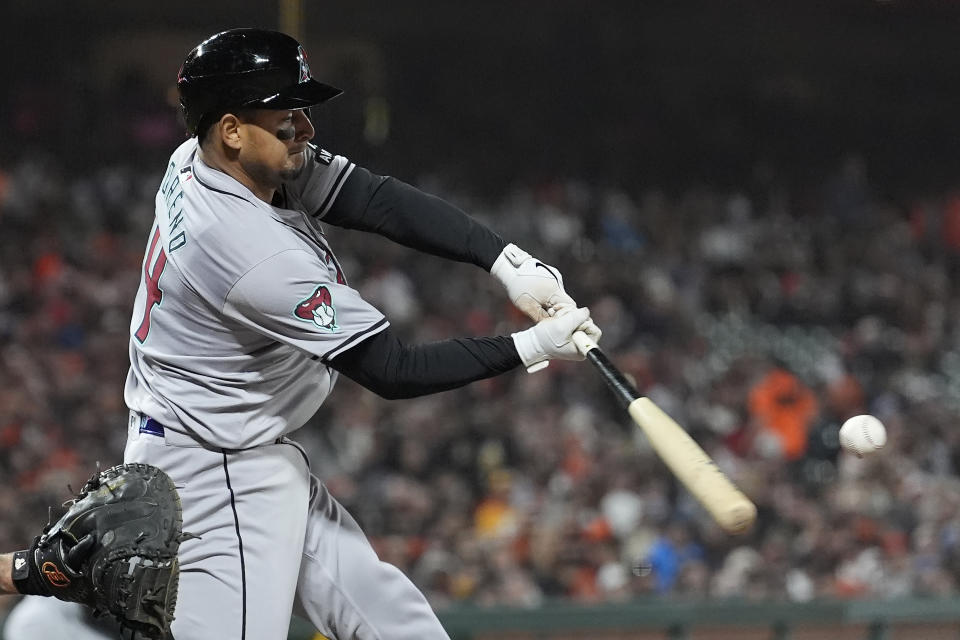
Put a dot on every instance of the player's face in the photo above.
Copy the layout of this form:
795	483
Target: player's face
274	145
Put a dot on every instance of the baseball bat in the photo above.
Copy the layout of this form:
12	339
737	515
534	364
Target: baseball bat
731	509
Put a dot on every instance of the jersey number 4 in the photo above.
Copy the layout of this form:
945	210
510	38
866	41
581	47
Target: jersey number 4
152	281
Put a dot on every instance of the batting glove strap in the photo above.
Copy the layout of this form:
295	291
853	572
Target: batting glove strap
26	577
531	352
512	256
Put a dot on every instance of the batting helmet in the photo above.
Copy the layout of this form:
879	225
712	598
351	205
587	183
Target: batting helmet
246	68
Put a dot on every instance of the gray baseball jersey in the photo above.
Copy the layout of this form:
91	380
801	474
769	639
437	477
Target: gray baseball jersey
240	307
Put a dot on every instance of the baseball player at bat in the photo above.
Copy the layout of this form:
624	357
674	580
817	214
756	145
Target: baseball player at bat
244	320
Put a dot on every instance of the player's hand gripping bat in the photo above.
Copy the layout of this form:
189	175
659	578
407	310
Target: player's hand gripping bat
732	510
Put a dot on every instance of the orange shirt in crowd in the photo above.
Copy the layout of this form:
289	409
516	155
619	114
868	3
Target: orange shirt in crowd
782	404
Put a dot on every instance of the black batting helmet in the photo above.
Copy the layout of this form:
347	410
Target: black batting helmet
246	68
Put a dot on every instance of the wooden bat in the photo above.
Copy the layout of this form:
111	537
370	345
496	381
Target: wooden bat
731	509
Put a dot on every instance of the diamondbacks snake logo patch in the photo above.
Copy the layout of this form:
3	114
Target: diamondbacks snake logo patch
318	309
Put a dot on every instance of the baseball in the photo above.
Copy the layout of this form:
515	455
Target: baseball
863	435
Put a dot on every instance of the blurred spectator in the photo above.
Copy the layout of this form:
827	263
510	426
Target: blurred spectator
671	555
783	408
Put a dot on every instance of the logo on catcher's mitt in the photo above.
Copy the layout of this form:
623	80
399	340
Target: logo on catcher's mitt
53	575
318	309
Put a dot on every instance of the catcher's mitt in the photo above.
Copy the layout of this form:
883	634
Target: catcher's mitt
115	549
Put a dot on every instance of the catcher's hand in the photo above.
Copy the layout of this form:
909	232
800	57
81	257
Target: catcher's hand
115	549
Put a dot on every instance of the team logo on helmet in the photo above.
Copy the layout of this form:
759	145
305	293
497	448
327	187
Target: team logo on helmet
304	67
318	309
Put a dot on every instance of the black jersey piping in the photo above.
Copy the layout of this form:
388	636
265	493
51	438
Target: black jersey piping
334	189
243	564
354	339
226	193
288	441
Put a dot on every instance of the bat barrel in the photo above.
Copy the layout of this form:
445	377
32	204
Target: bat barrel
691	465
731	509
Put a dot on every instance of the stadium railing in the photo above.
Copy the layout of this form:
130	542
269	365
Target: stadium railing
901	619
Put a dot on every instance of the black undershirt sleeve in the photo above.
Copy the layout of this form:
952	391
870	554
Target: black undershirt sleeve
384	365
408	216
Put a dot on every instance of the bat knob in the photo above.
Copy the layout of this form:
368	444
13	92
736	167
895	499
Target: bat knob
583	342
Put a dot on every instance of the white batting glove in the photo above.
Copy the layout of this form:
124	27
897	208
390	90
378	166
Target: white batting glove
534	287
589	327
551	339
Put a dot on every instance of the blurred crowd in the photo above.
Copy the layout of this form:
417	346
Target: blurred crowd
759	318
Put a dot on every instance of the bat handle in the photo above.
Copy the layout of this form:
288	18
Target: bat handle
583	342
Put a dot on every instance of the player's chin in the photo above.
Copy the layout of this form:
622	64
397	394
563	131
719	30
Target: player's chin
294	167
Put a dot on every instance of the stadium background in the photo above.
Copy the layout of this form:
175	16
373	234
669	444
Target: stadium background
758	200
